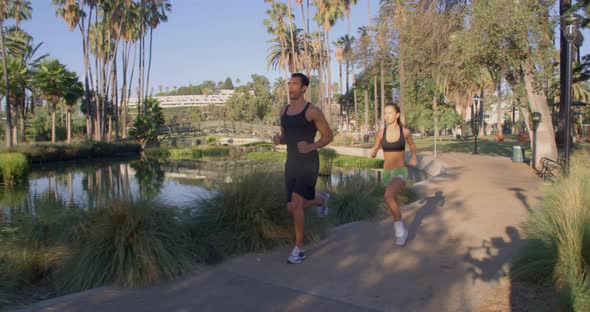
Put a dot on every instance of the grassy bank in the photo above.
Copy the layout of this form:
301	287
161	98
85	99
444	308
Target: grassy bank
188	153
41	152
344	161
557	249
59	250
486	145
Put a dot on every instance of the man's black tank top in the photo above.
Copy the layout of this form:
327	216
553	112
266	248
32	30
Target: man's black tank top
297	128
399	145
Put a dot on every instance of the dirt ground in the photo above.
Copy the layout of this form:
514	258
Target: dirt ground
513	296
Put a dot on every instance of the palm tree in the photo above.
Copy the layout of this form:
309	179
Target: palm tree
157	14
130	34
280	53
346	43
74	92
328	12
74	14
339	56
291	32
306	56
19	10
22	58
276	26
364	52
53	81
279	89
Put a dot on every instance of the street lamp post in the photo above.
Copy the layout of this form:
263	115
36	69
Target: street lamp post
571	30
475	122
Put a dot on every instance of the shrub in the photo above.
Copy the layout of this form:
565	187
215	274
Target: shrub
357	162
557	249
242	218
42	152
213	151
267	156
128	244
343	139
356	197
157	153
327	156
14	169
33	246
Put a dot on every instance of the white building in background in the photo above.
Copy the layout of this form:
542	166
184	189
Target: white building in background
218	97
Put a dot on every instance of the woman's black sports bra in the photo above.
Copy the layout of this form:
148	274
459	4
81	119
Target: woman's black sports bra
399	145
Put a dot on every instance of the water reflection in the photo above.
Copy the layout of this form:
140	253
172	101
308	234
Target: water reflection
89	185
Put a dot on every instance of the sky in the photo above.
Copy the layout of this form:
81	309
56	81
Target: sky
202	40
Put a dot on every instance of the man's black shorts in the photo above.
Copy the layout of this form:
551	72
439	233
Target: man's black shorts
301	175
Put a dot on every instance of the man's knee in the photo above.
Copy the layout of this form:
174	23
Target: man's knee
297	202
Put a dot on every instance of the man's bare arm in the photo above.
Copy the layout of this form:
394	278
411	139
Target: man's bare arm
323	127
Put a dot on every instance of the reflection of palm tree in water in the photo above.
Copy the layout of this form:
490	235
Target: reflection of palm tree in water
497	252
149	176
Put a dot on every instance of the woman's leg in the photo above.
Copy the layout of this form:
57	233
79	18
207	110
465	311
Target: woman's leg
392	191
391	199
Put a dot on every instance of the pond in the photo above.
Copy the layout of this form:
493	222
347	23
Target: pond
179	183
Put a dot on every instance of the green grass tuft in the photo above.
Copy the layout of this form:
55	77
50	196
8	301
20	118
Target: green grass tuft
557	249
14	169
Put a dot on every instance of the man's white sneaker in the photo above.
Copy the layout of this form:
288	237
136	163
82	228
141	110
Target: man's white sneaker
323	209
297	255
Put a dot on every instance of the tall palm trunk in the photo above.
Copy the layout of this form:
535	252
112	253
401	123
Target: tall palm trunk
147	81
346	96
402	93
23	120
135	48
140	74
69	123
87	81
356	107
376	104
329	80
320	74
366	123
382	71
53	122
307	57
8	131
295	63
125	58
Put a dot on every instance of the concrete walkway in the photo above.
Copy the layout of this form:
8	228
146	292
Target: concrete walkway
463	231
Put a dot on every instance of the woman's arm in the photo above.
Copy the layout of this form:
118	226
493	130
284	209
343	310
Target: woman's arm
410	142
377	144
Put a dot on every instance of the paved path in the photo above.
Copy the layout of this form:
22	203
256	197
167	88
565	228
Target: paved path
462	232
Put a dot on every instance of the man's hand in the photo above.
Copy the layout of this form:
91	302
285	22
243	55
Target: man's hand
304	147
276	139
413	161
373	153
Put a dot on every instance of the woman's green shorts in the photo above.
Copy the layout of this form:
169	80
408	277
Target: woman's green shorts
388	174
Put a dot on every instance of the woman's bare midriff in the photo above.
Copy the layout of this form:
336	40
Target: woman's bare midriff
393	160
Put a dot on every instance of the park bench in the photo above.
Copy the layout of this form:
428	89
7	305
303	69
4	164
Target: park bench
549	168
